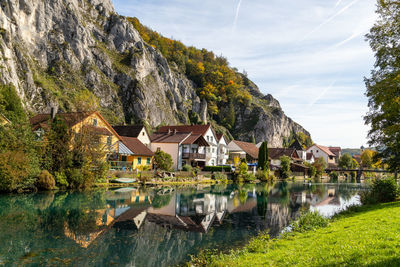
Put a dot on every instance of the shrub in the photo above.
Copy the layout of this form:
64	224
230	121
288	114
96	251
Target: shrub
163	160
220	176
61	179
312	171
382	190
309	221
217	168
45	181
187	168
285	167
13	170
334	177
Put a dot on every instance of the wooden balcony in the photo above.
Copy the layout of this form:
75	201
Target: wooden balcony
193	156
121	165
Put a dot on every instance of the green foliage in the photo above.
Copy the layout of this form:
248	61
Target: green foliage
320	166
334	177
163	160
61	179
309	221
383	85
217	168
263	158
304	140
10	104
45	181
217	83
160	201
382	190
312	171
285	167
346	161
219	176
262	175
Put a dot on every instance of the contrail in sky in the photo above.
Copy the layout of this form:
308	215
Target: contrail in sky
338	2
329	20
312	103
236	16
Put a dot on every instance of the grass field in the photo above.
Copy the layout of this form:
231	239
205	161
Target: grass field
363	236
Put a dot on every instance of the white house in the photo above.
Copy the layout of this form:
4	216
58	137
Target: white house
207	132
322	152
223	153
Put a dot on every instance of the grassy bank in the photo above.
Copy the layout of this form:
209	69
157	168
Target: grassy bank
363	236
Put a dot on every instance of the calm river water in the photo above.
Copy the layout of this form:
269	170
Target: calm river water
158	226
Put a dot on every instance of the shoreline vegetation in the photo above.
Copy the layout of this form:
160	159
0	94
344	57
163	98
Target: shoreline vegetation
360	236
366	235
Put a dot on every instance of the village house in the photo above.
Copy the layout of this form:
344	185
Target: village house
3	120
135	131
310	158
208	133
242	150
90	123
223	153
337	151
275	155
133	154
184	148
323	152
301	152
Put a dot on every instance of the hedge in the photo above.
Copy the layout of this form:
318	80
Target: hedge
217	168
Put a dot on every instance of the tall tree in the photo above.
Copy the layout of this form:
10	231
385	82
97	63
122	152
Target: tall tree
383	87
263	157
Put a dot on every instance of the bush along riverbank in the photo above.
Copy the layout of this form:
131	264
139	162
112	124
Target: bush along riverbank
367	235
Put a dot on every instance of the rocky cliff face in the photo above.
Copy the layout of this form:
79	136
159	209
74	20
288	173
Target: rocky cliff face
79	54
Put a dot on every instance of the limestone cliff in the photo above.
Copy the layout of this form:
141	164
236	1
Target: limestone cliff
79	53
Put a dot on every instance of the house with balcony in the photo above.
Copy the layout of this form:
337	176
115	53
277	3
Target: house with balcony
184	148
206	131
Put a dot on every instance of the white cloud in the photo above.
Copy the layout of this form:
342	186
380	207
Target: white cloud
267	44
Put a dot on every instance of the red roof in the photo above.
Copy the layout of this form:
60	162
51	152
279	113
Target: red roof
250	148
335	149
137	147
325	149
195	129
169	138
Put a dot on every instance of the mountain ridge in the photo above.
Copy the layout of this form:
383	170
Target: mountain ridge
80	54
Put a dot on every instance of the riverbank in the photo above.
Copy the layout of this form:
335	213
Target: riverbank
160	182
362	236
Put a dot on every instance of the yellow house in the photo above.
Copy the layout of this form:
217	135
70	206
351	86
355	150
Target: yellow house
3	120
91	124
133	154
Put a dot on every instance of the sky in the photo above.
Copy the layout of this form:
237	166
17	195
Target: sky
311	55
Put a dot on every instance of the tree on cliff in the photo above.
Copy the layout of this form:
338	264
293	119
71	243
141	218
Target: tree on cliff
383	89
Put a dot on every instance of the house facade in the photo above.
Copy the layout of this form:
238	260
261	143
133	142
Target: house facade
275	155
242	150
135	131
337	151
184	148
133	154
322	152
207	132
89	124
222	152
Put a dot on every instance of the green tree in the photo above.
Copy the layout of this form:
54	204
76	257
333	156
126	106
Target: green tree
320	166
383	85
346	161
163	160
285	167
367	158
263	162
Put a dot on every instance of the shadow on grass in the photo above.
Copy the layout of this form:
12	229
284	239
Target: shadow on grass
357	210
388	262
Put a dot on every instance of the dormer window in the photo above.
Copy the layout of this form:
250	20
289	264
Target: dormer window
94	122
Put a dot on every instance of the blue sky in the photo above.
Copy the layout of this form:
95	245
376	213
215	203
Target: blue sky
309	54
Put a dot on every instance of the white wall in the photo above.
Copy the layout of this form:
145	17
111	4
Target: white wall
144	137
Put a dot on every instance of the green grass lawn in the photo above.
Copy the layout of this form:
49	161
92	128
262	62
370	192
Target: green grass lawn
369	236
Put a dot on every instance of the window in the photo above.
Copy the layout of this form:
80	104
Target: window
94	122
208	138
123	158
109	140
139	160
148	161
213	150
212	139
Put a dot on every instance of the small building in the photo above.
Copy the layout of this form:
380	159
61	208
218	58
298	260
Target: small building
133	154
4	120
275	155
337	151
184	148
242	150
322	152
136	131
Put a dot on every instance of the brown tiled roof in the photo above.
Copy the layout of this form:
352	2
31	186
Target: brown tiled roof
137	147
335	149
169	138
130	131
276	153
219	136
195	129
70	119
195	139
250	148
325	149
